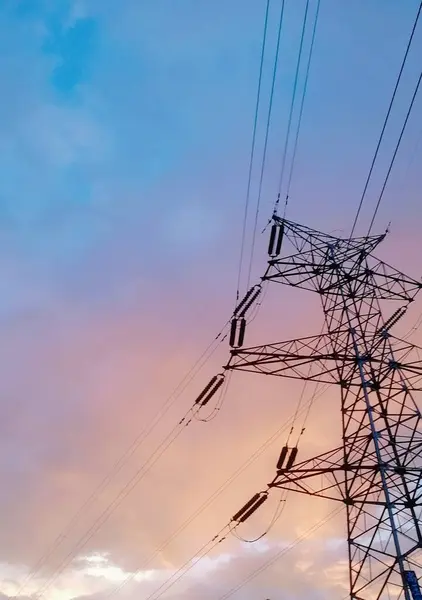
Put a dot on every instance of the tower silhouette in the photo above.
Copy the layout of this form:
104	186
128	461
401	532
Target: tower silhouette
376	470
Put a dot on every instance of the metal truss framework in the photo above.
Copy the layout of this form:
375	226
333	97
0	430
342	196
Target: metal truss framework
377	470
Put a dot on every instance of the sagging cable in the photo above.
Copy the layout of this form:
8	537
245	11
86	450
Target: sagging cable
250	507
220	401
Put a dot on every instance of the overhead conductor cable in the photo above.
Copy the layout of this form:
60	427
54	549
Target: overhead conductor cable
252	153
267	131
292	105
387	117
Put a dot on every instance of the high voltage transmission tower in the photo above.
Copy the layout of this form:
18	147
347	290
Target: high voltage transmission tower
376	471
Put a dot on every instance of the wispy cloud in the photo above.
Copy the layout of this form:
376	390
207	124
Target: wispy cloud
125	135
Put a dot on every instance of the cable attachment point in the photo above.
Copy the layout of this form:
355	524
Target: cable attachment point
249	299
276	239
250	507
210	390
237	332
238	324
290	460
277	202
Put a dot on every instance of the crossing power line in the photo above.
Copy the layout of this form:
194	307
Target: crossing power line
303	409
118	466
385	123
377	470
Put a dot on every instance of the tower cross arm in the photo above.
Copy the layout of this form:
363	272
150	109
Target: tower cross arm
390	283
326	264
314	359
292	359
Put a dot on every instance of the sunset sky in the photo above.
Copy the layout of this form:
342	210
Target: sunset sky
126	128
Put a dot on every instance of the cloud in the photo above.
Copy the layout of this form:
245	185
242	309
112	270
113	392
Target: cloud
315	568
122	192
86	378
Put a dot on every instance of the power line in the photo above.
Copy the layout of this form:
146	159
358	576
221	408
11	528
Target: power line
391	165
202	400
302	395
281	553
128	488
395	153
189	564
131	450
252	153
305	408
207	548
381	512
184	569
264	155
277	514
110	508
192	564
179	574
409	43
302	103
414	328
295	84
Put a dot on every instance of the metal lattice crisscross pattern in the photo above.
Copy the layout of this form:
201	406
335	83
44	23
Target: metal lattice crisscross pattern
377	471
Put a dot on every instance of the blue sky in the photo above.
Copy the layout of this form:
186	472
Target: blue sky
125	137
109	113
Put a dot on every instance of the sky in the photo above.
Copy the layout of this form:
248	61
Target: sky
125	138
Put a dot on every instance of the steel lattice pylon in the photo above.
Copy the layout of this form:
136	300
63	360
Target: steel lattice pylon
377	470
